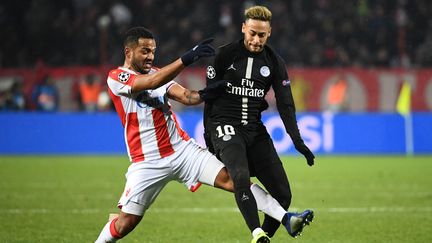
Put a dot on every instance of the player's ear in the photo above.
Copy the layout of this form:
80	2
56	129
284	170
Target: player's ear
244	27
127	51
269	32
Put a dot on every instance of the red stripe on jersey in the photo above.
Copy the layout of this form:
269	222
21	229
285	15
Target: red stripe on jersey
133	138
118	106
162	135
180	131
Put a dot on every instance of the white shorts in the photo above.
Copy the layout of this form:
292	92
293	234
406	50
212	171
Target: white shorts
145	180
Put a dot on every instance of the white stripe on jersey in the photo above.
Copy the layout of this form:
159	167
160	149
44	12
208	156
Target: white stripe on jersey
245	100
248	74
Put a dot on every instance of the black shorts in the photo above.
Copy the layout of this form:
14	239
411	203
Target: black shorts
230	146
252	144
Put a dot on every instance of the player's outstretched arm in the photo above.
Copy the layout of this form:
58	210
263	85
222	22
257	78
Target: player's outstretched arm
159	78
169	72
183	95
194	97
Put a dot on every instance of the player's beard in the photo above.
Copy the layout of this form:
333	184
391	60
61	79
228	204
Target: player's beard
142	67
255	48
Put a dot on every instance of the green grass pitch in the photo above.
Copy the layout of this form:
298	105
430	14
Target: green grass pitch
356	199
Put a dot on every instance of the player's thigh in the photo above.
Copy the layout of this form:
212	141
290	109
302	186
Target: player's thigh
193	164
268	168
261	152
233	155
216	173
144	182
274	179
230	147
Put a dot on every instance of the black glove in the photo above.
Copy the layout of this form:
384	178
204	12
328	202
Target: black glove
213	90
303	149
203	49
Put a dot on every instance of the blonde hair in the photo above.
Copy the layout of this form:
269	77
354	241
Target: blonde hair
259	13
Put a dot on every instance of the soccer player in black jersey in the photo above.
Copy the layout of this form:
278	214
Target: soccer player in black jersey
233	127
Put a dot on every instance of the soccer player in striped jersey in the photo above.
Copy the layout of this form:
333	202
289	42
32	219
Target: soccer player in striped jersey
160	151
234	130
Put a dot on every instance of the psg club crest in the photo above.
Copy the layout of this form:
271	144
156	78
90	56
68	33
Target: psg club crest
265	71
211	72
124	77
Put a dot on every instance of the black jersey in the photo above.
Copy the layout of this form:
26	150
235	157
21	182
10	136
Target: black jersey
250	76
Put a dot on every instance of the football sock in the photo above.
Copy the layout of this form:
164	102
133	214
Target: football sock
256	231
267	204
109	233
284	219
270	225
248	207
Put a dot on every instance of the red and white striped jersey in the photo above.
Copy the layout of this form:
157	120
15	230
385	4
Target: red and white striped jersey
151	130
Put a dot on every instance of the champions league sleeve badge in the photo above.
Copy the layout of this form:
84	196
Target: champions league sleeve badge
211	72
123	77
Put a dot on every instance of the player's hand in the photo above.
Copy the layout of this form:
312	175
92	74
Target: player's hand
213	90
303	149
203	49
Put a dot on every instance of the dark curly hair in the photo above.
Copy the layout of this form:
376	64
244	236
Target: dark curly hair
132	36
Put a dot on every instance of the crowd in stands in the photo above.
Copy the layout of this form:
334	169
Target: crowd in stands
88	93
315	33
394	33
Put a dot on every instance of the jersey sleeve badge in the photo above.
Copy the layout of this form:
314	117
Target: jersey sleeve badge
123	77
211	72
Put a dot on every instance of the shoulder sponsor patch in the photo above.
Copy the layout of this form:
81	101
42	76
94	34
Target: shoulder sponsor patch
123	77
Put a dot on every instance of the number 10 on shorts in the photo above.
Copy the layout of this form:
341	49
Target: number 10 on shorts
225	130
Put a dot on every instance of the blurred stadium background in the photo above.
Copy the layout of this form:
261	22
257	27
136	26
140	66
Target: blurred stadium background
361	74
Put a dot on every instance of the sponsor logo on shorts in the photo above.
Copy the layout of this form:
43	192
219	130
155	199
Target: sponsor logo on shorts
127	192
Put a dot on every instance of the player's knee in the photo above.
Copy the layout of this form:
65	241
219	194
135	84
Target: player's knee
224	180
241	179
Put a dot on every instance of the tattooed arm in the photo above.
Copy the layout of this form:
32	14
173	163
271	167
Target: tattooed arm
183	95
